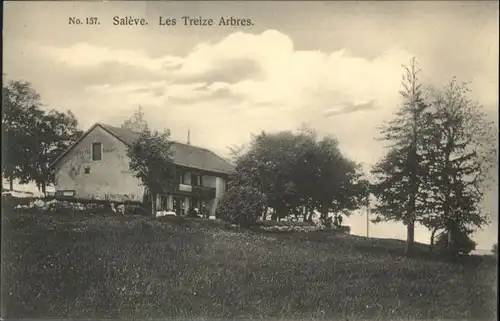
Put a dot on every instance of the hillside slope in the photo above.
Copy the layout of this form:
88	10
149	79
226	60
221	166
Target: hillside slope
129	267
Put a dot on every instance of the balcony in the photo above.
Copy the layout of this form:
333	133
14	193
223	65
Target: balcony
195	190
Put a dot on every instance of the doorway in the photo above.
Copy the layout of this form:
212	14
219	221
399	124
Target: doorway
178	205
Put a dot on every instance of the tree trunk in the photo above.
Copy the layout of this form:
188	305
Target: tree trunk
410	237
433	235
324	211
450	230
153	203
44	189
274	216
281	211
410	225
11	183
311	213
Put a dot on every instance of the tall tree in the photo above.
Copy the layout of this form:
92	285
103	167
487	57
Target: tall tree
151	160
398	173
461	153
136	122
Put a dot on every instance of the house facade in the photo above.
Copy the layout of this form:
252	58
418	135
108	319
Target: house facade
96	167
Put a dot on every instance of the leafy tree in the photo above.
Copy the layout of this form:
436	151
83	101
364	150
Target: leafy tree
32	137
437	169
241	205
398	173
136	122
337	187
461	152
306	171
49	136
20	106
267	166
151	160
298	173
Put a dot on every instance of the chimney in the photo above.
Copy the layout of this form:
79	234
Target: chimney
189	139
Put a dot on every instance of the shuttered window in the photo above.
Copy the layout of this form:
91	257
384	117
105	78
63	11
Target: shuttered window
96	151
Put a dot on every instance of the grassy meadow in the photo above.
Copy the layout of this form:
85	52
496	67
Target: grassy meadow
99	266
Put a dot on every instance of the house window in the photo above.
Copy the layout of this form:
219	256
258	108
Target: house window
96	151
180	177
87	170
194	179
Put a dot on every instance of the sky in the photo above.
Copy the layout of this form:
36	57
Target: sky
333	66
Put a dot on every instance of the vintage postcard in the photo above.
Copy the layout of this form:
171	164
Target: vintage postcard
300	160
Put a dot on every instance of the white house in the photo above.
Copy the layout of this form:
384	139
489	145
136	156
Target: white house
96	167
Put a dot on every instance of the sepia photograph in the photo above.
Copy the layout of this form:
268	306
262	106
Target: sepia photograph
272	160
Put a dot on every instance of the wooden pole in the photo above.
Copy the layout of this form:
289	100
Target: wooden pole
368	217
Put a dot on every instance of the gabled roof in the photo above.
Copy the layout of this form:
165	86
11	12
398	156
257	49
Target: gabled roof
183	154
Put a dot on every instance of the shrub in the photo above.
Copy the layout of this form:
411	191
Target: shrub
192	213
241	205
326	222
462	244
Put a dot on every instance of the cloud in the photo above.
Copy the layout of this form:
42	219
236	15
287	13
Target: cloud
257	81
241	84
230	70
350	108
84	55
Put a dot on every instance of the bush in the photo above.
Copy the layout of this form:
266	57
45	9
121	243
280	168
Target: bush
326	222
241	205
462	243
192	213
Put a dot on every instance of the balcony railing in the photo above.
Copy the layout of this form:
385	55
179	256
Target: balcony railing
195	190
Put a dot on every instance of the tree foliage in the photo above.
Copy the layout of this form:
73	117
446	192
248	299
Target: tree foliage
461	153
299	173
241	205
54	133
136	122
437	168
151	161
398	174
32	137
235	152
462	243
